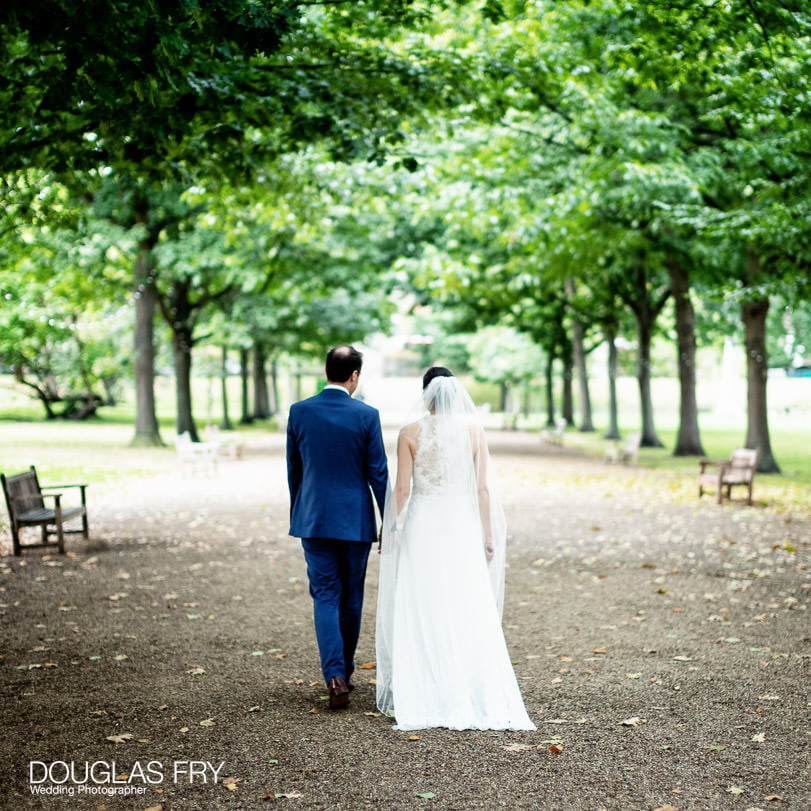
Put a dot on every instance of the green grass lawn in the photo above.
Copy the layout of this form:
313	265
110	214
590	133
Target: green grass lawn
97	450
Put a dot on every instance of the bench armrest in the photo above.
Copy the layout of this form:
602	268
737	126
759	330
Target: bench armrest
82	487
705	463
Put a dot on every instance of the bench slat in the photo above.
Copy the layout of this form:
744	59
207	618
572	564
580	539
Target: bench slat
40	515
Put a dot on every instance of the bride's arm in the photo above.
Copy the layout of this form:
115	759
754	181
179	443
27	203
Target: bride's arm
405	465
480	462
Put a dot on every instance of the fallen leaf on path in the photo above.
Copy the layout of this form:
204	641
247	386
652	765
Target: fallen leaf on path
734	790
773	798
368	666
231	783
413	737
555	749
426	795
759	738
123	738
633	722
196	671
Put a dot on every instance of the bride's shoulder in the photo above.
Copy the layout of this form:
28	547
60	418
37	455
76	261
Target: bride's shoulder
410	431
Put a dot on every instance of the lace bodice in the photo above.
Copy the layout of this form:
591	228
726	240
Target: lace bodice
433	468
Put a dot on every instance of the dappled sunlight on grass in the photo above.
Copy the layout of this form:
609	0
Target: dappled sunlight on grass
657	478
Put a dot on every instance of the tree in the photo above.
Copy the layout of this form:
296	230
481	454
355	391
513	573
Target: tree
163	96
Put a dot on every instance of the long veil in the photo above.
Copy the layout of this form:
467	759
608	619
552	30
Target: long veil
463	468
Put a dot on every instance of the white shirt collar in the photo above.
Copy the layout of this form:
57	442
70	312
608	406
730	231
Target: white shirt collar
336	386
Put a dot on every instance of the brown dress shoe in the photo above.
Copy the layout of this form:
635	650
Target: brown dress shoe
338	693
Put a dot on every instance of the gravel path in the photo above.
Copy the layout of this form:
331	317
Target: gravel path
662	645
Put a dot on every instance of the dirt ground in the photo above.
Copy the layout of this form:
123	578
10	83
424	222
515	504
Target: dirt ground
662	645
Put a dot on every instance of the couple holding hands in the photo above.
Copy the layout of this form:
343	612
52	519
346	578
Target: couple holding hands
441	656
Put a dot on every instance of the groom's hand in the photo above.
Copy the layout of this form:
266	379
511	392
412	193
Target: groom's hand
489	551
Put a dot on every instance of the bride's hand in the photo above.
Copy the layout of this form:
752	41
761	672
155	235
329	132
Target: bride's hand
489	551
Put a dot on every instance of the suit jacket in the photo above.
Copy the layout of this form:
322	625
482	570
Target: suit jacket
336	462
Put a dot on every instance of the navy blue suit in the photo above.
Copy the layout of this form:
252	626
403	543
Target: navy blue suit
336	471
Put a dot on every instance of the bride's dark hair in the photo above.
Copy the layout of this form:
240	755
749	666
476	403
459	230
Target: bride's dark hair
435	371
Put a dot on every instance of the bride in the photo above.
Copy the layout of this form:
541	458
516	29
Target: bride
441	656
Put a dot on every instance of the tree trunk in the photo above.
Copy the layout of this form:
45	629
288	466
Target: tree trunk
757	368
579	357
567	407
226	420
109	390
43	395
646	315
274	387
261	403
244	375
146	299
503	397
688	442
550	390
643	376
613	431
182	341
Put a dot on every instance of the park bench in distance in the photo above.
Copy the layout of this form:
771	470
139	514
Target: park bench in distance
26	508
555	435
196	455
626	452
738	470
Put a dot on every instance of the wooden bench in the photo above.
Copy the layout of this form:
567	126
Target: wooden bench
625	453
230	445
738	470
26	508
198	455
555	435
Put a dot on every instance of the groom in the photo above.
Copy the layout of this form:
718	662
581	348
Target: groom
335	454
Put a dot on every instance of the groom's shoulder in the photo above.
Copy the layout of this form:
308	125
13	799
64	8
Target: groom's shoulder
363	408
305	405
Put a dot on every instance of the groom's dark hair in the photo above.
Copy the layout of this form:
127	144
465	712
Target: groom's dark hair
435	371
341	362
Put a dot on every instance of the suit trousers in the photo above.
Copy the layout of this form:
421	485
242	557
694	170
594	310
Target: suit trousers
336	570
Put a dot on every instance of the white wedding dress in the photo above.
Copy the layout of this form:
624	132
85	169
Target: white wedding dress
441	656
